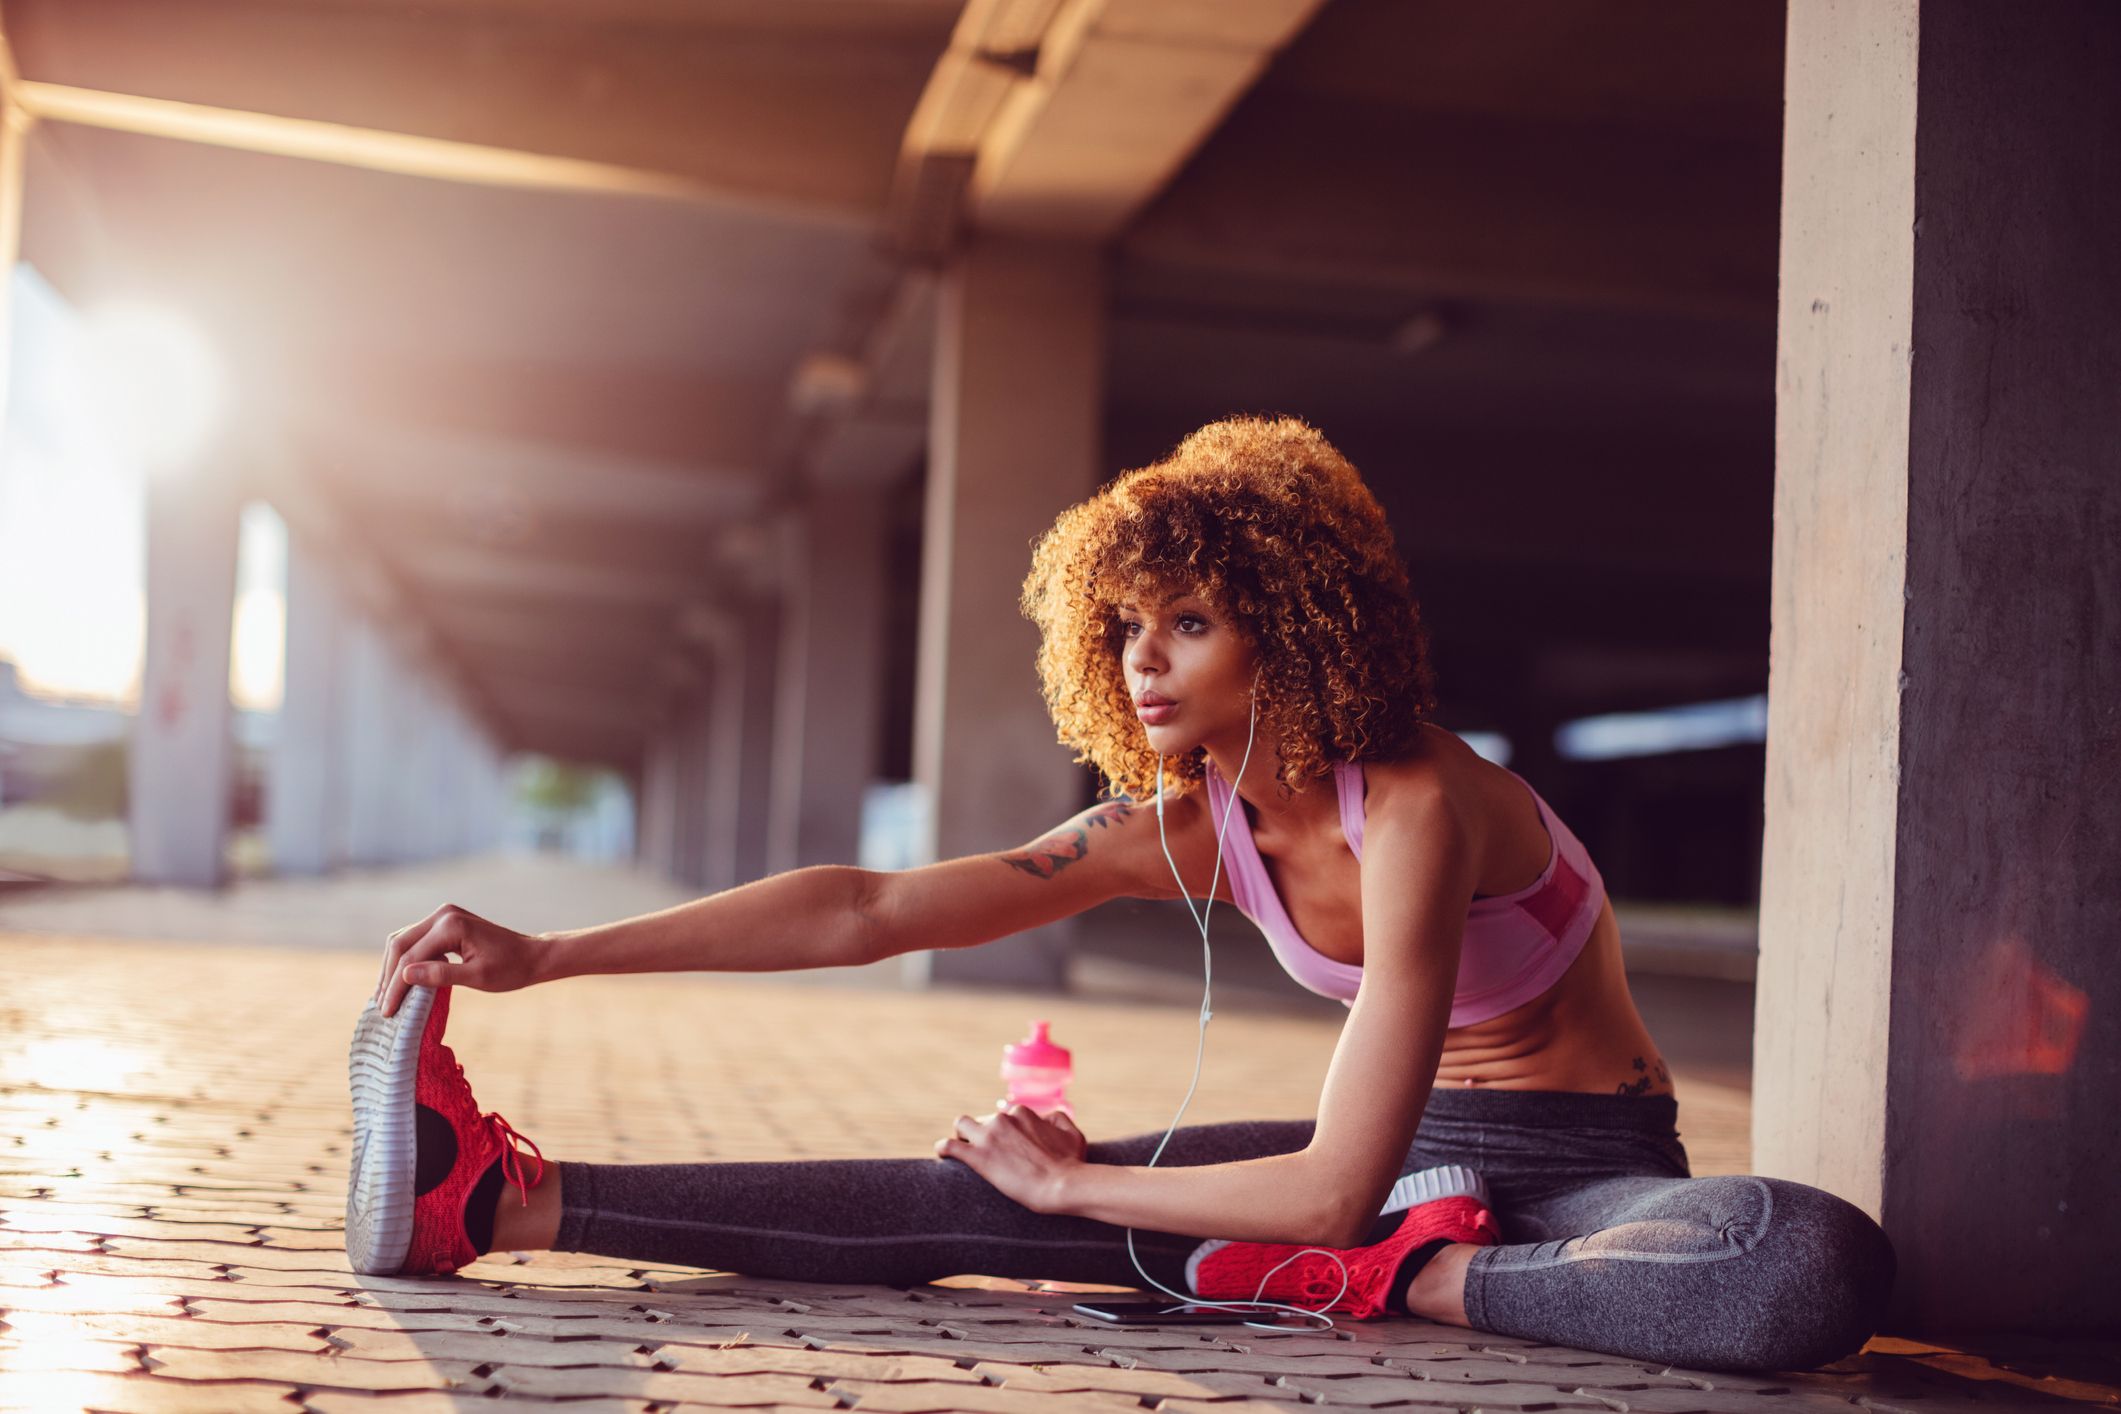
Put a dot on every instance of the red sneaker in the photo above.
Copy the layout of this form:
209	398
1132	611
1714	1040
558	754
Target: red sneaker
1450	1202
420	1143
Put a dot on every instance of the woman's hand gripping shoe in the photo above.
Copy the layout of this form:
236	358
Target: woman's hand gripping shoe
427	1166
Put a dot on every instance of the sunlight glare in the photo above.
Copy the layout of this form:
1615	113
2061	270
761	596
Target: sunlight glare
81	1063
257	658
162	379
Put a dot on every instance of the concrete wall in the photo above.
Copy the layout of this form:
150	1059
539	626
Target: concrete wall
1939	1033
2008	1021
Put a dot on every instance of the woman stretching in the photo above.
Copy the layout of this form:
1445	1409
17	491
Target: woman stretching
1228	637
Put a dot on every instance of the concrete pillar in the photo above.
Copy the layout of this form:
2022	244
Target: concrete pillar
721	745
655	835
1935	1038
829	718
457	739
367	744
490	805
758	640
485	822
438	840
671	759
408	700
14	130
440	802
182	750
1016	435
697	838
645	804
406	707
302	808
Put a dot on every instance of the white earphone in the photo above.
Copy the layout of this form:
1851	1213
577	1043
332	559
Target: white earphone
1200	920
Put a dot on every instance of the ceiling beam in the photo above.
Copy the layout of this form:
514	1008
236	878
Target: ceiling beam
877	434
619	749
646	412
475	478
560	660
555	683
744	107
1063	118
1123	94
1482	207
506	574
618	637
402	154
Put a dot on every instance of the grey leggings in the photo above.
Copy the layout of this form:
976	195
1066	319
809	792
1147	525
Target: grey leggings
1609	1244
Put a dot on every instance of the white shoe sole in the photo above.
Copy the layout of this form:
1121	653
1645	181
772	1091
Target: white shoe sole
381	1068
1443	1181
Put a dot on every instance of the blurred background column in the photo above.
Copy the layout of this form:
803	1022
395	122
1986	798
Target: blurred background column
447	794
14	128
831	679
656	798
406	792
444	803
182	750
1015	435
463	767
1936	1036
696	829
445	799
366	738
492	787
758	642
303	812
409	776
721	744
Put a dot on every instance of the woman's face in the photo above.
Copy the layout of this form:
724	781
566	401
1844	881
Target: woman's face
1189	672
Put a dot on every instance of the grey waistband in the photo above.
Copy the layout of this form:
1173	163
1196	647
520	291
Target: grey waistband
1648	1114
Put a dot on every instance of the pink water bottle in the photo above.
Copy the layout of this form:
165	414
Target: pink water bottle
1037	1072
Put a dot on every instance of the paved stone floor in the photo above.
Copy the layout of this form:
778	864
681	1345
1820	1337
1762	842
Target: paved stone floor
173	1138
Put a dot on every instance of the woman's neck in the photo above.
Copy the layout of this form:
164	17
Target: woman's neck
1317	802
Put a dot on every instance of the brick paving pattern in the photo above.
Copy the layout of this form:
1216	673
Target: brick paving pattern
173	1140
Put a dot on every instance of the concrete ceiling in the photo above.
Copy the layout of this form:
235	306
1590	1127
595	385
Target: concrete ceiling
522	288
539	408
1519	261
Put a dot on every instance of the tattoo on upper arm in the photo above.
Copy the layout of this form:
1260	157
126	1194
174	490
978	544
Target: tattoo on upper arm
1048	856
1656	1074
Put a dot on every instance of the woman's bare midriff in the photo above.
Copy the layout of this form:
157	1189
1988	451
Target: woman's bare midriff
1583	1033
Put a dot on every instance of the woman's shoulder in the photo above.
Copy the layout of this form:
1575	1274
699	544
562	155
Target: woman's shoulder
1438	773
1434	761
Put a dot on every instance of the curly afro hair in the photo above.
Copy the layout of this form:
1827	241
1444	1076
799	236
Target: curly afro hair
1266	520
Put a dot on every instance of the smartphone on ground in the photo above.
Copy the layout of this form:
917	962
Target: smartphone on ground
1188	1313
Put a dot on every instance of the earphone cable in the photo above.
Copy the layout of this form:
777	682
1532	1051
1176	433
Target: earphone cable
1200	1049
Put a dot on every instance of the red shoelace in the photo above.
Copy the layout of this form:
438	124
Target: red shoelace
503	1132
511	1157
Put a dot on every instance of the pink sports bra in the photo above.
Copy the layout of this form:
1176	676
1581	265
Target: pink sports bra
1516	945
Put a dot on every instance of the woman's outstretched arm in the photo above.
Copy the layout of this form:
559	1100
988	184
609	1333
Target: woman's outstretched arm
827	915
1418	877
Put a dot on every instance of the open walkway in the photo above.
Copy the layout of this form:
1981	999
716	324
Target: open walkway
173	1136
